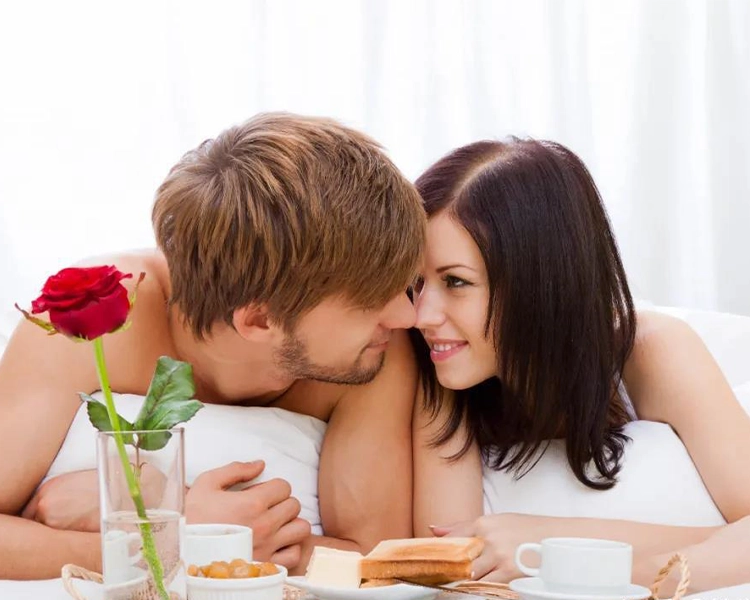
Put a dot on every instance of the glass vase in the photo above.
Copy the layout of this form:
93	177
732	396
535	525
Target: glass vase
142	500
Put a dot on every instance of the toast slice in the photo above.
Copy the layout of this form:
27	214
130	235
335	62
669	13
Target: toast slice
371	583
433	561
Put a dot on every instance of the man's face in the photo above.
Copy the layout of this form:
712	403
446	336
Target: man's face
337	343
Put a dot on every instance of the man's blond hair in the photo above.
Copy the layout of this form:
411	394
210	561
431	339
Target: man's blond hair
285	211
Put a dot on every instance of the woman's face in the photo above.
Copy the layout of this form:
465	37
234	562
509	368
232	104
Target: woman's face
451	298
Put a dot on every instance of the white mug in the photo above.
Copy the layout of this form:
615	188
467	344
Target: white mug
206	543
117	561
575	564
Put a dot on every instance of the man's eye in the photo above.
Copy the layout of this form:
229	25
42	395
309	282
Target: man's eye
452	281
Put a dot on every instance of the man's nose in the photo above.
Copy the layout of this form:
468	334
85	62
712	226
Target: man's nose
399	313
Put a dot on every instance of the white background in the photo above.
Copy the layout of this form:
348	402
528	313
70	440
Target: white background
99	99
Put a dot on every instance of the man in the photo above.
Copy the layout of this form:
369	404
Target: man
286	245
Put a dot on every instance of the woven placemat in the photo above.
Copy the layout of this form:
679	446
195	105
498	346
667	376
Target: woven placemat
491	590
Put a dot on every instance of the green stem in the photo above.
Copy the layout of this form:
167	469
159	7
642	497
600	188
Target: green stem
149	546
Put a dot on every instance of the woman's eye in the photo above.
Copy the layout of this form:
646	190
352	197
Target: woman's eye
418	284
451	281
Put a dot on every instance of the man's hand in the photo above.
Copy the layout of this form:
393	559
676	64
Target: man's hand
267	508
69	501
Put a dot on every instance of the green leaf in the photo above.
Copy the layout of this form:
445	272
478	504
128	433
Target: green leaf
99	418
166	415
168	403
153	440
48	327
173	380
169	413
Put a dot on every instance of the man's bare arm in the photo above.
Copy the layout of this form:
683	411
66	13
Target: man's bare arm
31	550
365	478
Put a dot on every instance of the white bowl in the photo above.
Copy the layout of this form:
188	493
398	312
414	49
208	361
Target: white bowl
267	587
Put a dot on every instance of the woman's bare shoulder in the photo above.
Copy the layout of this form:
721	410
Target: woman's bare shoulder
667	358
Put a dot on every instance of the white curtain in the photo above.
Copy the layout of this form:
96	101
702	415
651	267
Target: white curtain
98	100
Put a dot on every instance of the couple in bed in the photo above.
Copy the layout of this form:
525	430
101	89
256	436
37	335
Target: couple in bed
461	321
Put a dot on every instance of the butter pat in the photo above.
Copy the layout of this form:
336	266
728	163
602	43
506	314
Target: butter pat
329	567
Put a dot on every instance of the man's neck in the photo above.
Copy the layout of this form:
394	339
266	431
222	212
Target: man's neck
226	368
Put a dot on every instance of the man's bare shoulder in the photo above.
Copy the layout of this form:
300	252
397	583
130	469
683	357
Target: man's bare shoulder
312	398
148	260
154	289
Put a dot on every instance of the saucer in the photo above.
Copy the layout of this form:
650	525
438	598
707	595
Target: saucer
399	591
532	588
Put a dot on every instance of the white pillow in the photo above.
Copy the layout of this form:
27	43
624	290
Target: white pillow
658	484
289	443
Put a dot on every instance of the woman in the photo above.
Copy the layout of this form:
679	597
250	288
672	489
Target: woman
529	329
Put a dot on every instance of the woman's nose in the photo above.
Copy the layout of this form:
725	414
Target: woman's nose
430	313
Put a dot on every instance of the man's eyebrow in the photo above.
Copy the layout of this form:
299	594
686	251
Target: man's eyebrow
457	265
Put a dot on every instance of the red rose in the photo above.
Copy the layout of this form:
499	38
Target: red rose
85	302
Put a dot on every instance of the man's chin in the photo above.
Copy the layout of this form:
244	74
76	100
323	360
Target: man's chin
357	375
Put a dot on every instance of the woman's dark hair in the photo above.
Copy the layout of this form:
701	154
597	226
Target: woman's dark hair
560	312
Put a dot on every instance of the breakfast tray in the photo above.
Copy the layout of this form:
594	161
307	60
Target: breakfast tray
489	590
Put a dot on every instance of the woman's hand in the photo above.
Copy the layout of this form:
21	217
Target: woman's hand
502	534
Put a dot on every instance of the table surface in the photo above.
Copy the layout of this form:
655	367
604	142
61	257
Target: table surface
52	589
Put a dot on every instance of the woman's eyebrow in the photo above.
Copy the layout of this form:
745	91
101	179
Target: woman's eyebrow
457	265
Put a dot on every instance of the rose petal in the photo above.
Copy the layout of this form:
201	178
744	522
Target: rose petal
95	318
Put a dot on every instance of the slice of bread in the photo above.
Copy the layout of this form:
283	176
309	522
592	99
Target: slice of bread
423	560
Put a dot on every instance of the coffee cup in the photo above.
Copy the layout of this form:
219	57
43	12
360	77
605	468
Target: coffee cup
206	543
120	558
570	565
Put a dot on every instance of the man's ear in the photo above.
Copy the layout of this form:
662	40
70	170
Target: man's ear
253	323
